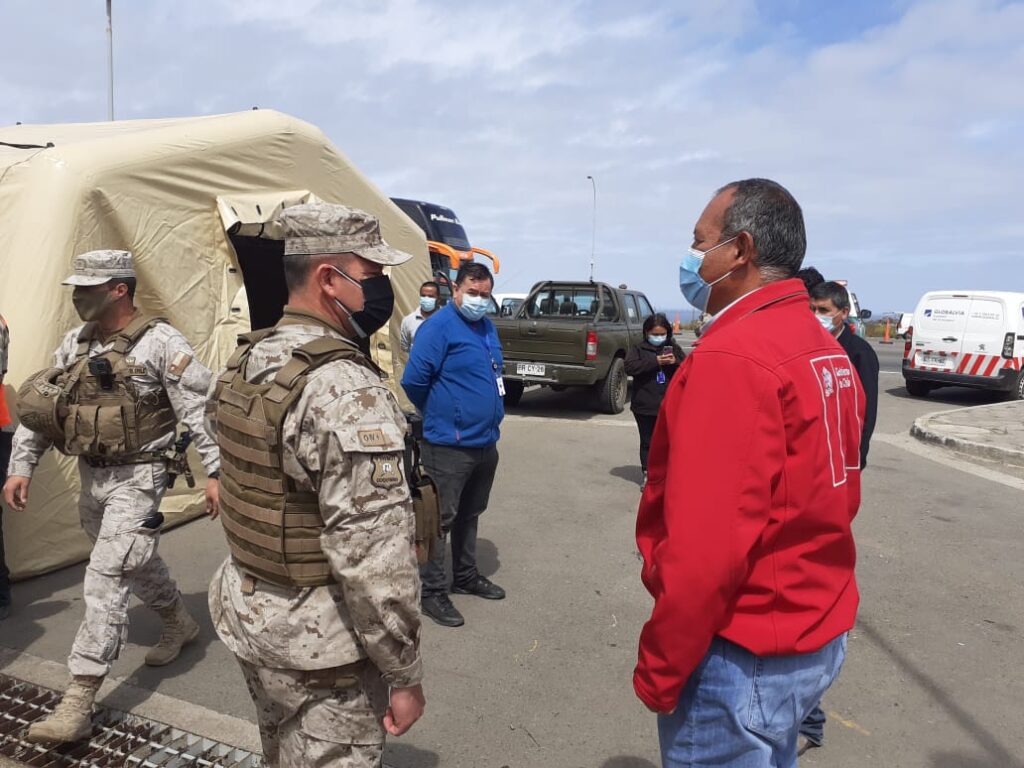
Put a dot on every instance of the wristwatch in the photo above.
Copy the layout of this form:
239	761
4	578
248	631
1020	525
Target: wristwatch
214	475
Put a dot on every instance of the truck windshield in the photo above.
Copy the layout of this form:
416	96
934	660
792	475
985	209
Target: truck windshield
563	302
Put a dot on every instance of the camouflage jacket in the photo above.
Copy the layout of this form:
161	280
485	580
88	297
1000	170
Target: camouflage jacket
170	365
373	609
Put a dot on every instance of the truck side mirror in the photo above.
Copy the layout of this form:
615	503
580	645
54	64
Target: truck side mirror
865	314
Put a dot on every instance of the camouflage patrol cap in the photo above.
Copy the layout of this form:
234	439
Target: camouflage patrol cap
313	229
98	267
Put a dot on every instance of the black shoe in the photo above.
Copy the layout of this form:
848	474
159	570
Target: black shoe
481	587
441	610
805	744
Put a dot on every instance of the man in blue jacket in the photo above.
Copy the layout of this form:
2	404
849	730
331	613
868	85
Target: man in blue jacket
454	379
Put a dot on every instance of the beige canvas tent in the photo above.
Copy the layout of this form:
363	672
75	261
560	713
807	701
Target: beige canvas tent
195	200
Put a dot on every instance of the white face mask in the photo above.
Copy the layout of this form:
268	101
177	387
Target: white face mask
827	322
474	308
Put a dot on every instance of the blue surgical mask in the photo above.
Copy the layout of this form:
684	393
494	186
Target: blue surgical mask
827	322
474	308
695	288
657	341
428	303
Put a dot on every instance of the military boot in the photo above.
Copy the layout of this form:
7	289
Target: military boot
179	628
71	719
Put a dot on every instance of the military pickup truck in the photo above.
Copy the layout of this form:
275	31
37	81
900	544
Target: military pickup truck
569	334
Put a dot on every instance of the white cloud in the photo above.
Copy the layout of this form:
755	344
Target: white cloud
899	136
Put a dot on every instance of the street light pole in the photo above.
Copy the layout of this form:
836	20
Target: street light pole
593	234
110	64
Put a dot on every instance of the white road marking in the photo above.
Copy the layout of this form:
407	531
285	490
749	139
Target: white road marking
943	456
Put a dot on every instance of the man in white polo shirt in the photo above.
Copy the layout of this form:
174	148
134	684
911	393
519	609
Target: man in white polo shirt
429	293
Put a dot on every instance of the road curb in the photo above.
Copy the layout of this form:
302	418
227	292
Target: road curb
926	429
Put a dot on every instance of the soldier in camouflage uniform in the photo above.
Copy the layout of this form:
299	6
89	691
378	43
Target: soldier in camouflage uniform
320	608
121	488
5	454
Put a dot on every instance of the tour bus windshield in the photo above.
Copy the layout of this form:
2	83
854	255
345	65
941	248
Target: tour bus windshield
445	223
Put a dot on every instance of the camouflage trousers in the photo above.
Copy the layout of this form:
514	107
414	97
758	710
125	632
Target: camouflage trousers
119	510
329	717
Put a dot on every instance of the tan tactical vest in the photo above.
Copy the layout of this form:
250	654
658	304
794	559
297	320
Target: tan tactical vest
273	530
92	408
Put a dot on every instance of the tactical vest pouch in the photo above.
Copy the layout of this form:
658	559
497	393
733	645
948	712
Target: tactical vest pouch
37	404
426	501
426	505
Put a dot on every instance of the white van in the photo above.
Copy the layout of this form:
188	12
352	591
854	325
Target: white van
966	339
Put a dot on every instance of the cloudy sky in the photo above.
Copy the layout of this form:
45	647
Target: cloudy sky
896	124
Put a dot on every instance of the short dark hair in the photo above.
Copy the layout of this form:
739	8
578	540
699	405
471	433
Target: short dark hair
655	320
298	267
811	278
833	292
431	284
473	270
772	216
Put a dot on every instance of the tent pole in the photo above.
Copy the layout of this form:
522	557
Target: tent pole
110	64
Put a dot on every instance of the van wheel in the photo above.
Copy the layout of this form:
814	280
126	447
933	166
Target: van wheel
611	393
513	392
918	388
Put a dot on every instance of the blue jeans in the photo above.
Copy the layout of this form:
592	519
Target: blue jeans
744	711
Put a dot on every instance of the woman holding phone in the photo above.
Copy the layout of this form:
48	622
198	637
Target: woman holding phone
652	364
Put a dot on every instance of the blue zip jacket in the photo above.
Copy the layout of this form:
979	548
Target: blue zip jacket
452	378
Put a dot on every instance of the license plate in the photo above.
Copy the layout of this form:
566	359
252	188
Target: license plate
935	361
529	369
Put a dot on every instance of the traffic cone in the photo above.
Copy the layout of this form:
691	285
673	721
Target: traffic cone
888	332
675	326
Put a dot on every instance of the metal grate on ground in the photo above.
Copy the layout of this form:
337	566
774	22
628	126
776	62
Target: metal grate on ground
118	738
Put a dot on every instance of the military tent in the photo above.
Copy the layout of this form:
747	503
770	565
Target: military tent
195	200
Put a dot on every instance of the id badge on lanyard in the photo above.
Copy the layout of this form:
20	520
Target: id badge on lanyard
661	377
494	367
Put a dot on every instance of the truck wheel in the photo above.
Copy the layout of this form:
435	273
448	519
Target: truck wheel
611	393
918	388
513	392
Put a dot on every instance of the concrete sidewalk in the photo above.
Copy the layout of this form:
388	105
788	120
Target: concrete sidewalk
994	432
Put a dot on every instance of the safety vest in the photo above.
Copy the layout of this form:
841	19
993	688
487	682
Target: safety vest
273	530
92	408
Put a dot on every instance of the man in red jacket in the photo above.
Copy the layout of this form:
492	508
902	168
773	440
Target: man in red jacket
754	480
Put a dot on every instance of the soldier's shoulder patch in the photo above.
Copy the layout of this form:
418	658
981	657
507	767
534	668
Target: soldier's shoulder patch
179	363
387	471
372	438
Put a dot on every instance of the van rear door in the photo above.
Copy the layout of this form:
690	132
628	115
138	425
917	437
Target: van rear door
981	354
939	327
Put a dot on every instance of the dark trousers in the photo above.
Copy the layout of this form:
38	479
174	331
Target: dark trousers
464	477
645	424
5	575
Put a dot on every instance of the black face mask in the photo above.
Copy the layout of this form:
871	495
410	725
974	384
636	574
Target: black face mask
378	304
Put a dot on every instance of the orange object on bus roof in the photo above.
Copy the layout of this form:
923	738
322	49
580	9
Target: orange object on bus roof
456	257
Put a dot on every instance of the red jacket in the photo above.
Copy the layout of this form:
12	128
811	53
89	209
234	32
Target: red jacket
754	479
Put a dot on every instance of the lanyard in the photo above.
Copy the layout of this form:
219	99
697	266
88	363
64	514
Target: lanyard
485	340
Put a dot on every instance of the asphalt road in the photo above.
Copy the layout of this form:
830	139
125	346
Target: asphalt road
542	679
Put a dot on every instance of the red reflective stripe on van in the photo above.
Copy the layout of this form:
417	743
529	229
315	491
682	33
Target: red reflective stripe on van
977	364
992	365
964	363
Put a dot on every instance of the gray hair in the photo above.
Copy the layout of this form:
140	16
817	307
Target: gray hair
774	220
